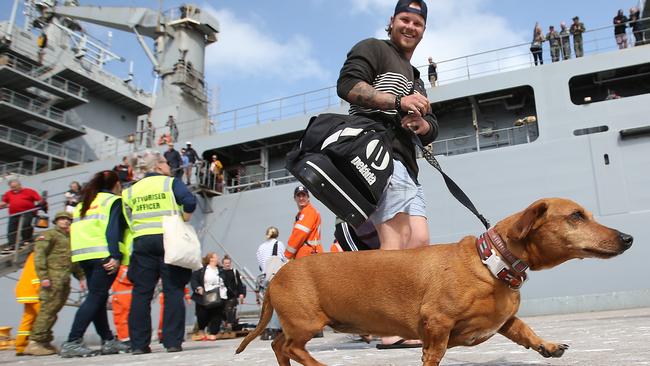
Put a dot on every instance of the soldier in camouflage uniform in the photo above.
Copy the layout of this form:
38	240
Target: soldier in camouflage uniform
553	39
53	264
577	28
565	45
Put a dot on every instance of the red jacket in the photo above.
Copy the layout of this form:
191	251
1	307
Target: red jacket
20	201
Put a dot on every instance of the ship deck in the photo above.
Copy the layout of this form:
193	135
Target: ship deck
597	338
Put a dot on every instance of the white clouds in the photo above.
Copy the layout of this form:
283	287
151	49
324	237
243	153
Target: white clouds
245	51
456	28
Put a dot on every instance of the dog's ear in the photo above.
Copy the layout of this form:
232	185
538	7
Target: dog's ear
519	230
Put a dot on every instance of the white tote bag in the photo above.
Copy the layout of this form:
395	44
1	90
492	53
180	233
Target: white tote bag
182	245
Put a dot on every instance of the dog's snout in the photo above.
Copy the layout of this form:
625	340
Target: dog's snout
626	239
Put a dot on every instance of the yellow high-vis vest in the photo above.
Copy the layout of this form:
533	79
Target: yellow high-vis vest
146	202
88	234
126	246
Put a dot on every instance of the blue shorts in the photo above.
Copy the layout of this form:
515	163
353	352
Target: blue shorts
401	195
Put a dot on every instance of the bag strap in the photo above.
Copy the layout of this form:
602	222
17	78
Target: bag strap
275	249
453	188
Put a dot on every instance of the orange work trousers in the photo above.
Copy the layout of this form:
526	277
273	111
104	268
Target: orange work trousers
26	323
121	303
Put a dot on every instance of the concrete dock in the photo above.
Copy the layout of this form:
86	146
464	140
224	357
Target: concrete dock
620	337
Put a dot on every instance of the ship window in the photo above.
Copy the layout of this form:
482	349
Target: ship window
610	84
486	121
590	130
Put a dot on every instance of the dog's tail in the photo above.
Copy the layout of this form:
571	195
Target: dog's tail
265	317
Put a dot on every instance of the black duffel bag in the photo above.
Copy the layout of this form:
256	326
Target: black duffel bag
346	162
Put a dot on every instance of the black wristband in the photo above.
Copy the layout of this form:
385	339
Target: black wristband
398	103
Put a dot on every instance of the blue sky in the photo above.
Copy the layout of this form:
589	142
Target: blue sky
271	49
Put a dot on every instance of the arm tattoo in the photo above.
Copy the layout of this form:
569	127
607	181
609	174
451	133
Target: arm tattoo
364	95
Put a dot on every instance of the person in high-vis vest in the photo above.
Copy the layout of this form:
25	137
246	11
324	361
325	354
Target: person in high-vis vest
98	226
305	236
27	294
145	204
121	291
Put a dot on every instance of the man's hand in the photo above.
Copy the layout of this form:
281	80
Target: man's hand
199	290
187	216
241	299
46	283
111	266
415	103
416	124
82	285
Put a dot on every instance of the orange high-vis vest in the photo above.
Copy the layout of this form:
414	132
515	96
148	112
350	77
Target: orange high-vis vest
305	236
28	284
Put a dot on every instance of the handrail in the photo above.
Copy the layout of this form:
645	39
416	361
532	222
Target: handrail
32	105
42	145
56	81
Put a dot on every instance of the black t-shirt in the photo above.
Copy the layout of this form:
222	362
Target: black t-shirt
620	27
231	282
380	64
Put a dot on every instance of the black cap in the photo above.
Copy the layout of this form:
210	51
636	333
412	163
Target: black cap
300	189
576	18
405	6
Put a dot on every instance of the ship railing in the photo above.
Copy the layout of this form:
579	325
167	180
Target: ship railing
486	140
35	72
259	180
14	169
597	40
45	146
276	109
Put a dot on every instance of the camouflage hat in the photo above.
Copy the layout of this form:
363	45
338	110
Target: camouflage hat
61	215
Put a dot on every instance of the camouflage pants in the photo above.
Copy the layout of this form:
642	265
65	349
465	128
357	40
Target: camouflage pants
555	53
577	46
52	300
566	51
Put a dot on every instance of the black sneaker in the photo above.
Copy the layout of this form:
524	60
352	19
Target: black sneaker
114	346
141	351
76	348
173	349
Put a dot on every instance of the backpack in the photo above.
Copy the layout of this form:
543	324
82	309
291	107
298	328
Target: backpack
346	162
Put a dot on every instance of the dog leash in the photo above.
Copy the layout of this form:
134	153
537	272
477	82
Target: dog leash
453	188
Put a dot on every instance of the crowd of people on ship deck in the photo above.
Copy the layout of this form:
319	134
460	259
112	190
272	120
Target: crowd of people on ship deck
560	45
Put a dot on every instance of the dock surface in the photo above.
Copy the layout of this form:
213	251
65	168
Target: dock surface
620	337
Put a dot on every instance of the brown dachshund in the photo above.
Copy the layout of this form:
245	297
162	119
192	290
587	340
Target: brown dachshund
447	295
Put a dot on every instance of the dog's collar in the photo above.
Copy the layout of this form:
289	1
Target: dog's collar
499	267
515	263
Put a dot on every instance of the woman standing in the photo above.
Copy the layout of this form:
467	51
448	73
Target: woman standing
146	203
97	229
536	45
207	279
72	196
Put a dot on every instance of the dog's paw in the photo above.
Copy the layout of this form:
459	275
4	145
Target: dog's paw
552	350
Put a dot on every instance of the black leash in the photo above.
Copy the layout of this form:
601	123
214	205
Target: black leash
453	188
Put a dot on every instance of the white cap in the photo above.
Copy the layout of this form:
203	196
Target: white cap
188	143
